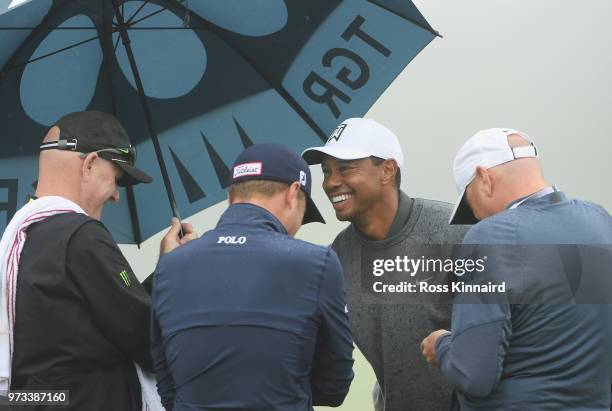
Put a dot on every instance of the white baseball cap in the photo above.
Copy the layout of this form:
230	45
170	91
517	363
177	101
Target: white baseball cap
358	138
487	148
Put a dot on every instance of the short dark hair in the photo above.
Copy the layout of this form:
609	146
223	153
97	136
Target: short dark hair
398	176
245	190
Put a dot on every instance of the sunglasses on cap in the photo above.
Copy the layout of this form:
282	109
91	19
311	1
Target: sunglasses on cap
126	154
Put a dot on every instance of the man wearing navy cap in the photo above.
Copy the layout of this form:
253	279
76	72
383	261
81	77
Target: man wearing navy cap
258	319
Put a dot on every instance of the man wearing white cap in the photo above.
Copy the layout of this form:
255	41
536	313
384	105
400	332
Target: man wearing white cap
526	353
361	164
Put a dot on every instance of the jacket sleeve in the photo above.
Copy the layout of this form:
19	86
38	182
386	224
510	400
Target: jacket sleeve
472	359
165	382
332	368
119	304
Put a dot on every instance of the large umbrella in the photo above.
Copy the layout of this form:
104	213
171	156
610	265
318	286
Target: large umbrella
193	82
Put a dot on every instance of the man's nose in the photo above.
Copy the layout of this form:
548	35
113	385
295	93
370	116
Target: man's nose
331	181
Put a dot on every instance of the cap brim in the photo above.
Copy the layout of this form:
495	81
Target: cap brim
312	214
314	155
462	214
131	175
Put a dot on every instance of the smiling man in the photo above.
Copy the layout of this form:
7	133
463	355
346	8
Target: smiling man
361	164
74	316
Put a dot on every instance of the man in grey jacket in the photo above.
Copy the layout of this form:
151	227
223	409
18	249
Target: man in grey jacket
361	164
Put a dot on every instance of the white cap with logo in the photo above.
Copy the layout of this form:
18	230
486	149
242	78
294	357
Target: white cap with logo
487	148
357	138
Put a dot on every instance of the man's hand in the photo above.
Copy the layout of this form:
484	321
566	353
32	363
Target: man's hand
171	240
428	346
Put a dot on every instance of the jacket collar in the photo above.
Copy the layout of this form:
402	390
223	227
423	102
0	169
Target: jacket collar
251	215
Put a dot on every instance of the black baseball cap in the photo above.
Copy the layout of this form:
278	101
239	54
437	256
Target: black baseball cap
96	131
276	162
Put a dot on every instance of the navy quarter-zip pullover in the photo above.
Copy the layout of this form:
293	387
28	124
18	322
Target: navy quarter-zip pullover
249	318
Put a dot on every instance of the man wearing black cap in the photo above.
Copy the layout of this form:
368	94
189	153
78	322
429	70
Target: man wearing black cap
257	319
78	319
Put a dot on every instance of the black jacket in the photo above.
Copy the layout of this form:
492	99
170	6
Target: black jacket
82	317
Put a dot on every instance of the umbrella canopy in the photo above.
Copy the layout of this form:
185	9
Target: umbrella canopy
194	83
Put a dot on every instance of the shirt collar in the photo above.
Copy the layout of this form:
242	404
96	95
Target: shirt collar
534	196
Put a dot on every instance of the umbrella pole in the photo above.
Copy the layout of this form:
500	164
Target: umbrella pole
125	39
106	38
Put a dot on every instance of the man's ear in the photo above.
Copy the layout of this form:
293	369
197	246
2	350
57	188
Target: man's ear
388	170
88	163
486	182
292	193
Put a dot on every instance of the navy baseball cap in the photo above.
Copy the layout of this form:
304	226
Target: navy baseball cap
276	162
